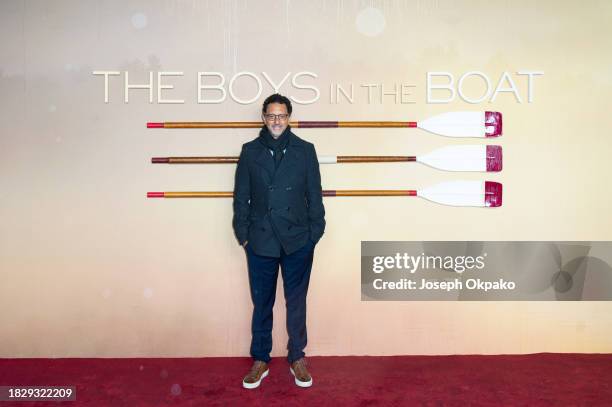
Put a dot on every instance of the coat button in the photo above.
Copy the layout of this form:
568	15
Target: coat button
289	228
271	188
288	207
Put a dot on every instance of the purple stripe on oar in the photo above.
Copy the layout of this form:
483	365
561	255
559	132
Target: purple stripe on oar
329	193
328	124
494	158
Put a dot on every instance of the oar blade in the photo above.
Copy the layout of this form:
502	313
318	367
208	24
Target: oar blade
464	193
464	124
485	158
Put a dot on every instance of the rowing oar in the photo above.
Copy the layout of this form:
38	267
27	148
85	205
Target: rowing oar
452	158
454	193
450	124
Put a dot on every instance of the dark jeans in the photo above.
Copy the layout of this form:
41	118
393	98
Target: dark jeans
263	274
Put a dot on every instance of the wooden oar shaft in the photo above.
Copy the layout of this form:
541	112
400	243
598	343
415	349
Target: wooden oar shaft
191	194
194	160
295	124
370	192
374	158
233	160
228	194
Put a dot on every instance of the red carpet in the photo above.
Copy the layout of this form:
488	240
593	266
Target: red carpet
543	379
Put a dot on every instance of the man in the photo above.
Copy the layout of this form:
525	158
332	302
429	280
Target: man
278	218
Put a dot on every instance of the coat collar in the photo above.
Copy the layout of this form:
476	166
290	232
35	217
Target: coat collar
265	159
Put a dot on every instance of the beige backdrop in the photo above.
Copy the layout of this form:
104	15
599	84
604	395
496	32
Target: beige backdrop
90	267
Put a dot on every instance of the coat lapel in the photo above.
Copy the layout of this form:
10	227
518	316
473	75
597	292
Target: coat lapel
288	160
266	160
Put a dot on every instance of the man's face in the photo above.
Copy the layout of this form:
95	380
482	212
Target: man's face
276	125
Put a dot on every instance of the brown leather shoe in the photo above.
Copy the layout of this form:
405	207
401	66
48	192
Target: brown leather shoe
258	372
299	371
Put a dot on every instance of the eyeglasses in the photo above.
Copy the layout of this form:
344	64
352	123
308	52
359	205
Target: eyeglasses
273	117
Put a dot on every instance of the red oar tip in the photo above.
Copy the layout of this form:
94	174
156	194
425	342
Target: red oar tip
155	194
160	160
493	124
493	194
494	158
152	125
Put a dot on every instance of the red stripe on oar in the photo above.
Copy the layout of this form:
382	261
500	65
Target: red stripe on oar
494	158
411	124
160	160
329	193
493	124
411	192
327	124
155	195
493	194
152	125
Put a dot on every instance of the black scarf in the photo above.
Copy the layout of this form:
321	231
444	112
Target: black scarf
276	145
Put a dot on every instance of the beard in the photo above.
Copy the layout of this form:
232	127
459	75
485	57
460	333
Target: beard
276	130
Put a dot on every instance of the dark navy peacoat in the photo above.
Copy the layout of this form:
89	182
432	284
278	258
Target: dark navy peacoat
282	208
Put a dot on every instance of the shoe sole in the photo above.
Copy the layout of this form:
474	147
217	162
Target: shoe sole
299	382
257	383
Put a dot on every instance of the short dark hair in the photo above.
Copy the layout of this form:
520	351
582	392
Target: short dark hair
277	98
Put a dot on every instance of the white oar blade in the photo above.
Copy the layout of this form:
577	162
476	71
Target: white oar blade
327	159
465	158
464	124
464	193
